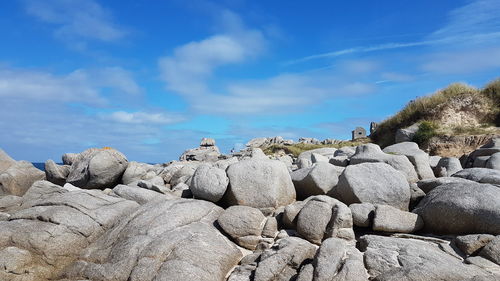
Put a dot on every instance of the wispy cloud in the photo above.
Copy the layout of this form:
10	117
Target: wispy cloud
475	23
143	117
81	85
76	19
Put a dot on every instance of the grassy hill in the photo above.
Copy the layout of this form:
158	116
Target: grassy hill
458	109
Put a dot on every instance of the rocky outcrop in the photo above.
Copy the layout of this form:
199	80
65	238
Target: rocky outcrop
18	178
209	183
461	208
97	169
244	224
162	240
371	153
56	174
417	157
376	183
318	179
52	226
206	152
259	183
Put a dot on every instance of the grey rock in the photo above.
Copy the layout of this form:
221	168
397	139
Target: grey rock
202	153
347	151
263	184
417	157
19	177
209	183
416	194
428	185
390	219
207	142
306	156
137	171
270	227
242	221
289	218
406	134
51	228
97	169
492	250
324	217
182	190
362	214
486	265
434	160
139	195
376	183
56	174
371	153
447	166
480	161
390	258
224	163
316	158
162	240
284	259
494	162
341	161
335	260
183	173
5	161
470	244
461	208
306	273
69	158
318	179
482	175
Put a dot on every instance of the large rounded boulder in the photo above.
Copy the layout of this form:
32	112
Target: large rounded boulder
209	183
376	183
461	208
97	169
260	183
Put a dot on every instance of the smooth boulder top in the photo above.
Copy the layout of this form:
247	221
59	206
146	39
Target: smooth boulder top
417	157
481	175
372	153
376	183
260	183
5	161
461	208
19	177
318	179
209	183
97	169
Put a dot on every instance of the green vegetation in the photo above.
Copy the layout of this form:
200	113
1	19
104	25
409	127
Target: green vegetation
426	130
428	108
298	148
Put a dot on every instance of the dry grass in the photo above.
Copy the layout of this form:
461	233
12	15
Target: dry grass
298	148
424	108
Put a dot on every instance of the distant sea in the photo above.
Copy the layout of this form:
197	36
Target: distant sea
40	166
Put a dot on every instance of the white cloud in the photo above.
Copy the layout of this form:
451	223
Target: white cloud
81	85
143	117
76	19
463	61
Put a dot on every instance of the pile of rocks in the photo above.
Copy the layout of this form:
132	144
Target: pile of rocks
354	213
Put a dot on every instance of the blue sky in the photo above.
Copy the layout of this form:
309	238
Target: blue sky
151	78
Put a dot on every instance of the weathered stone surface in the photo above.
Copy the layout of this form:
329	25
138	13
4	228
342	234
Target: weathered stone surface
140	195
370	153
492	250
461	208
391	259
270	227
224	163
494	162
318	179
376	183
345	151
18	178
5	161
52	226
209	183
137	171
202	153
362	214
284	259
390	219
323	217
306	273
56	174
263	184
242	221
341	161
162	240
289	218
447	166
428	185
97	169
469	244
336	261
416	194
482	175
417	157
480	161
316	158
183	172
406	134
69	158
305	158
207	142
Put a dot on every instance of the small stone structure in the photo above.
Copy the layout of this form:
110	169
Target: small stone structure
358	133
